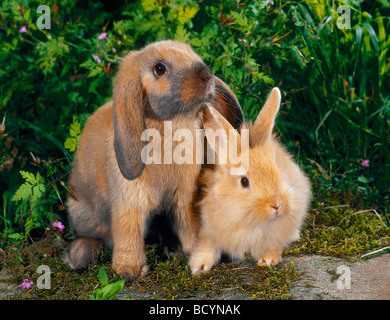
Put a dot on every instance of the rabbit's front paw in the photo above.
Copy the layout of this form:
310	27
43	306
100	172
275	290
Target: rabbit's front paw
128	266
270	257
201	263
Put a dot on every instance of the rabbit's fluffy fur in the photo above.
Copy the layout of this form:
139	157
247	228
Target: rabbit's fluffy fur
260	215
113	192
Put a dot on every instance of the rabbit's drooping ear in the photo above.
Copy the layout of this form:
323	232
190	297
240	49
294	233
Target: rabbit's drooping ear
227	104
128	117
218	131
264	124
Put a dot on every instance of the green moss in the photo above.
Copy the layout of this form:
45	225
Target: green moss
23	260
272	283
169	277
172	279
330	230
341	231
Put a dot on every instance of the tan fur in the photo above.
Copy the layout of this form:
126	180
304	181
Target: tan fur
187	91
112	191
131	201
235	219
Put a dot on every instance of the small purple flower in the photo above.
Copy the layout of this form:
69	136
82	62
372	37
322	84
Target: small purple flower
365	163
26	284
23	29
59	225
102	36
96	58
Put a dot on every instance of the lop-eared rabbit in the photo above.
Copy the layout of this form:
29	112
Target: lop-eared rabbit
113	191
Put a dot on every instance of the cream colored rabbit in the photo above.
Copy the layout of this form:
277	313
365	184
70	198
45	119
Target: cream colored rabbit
259	211
113	191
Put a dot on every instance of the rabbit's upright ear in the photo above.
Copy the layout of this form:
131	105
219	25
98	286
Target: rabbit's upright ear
218	131
227	104
128	117
265	121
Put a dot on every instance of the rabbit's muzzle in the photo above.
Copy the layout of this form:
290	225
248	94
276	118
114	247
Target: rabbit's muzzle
190	89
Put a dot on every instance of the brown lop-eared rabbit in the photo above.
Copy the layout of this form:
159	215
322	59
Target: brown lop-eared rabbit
113	191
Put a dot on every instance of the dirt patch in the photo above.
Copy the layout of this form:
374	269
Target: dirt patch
7	289
332	278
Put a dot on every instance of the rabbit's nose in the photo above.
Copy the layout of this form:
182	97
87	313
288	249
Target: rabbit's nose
276	207
205	76
203	73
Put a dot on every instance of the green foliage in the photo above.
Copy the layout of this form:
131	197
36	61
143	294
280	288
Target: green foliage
31	190
163	20
28	195
108	290
75	133
32	201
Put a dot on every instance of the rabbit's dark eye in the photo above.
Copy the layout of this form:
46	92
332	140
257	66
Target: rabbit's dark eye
245	182
159	69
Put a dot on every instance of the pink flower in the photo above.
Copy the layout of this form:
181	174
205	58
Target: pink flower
59	225
23	29
365	163
26	284
96	58
102	36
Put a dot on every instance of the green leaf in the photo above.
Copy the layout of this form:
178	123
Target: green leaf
20	259
28	176
111	290
359	36
97	295
38	190
373	37
103	277
70	144
363	179
181	34
32	189
240	21
186	14
149	5
28	225
108	291
17	236
75	132
23	192
27	14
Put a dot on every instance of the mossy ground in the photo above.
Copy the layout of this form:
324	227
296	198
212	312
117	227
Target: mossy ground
340	231
169	277
331	229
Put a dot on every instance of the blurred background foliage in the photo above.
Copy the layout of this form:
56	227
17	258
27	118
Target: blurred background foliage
335	85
